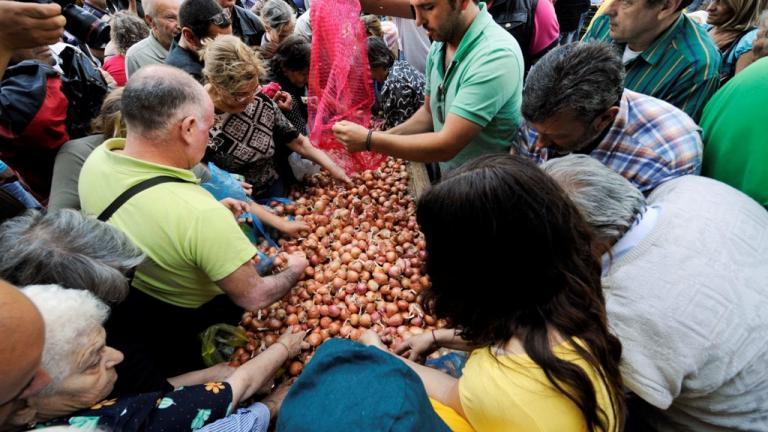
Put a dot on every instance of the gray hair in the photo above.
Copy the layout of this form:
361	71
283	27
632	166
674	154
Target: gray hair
149	7
69	249
379	54
276	13
157	96
71	316
608	201
126	29
584	78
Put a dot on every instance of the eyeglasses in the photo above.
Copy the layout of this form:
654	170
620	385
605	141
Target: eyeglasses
221	19
244	96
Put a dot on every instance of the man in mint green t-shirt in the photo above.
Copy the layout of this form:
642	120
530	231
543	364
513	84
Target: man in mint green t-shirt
474	91
198	270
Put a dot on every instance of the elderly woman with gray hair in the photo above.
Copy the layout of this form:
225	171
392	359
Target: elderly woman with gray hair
65	247
279	21
684	278
70	249
82	369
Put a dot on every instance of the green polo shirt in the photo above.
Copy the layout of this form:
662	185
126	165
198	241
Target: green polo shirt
681	67
484	85
190	238
736	145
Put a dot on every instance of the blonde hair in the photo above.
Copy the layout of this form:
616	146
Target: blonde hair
745	14
230	64
110	120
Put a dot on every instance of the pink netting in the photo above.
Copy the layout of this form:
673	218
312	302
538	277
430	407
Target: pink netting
340	85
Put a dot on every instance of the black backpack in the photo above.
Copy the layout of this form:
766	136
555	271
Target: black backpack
85	89
516	17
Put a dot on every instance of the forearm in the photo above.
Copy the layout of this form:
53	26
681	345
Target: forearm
424	147
439	385
449	338
255	373
420	122
266	216
276	286
219	372
397	8
305	149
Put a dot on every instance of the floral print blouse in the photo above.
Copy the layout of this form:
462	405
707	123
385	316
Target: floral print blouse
184	409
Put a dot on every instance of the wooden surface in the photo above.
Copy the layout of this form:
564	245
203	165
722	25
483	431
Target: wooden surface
418	180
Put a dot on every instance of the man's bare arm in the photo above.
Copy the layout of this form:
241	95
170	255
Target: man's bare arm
252	292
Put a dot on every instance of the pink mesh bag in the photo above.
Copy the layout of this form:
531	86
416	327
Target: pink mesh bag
340	85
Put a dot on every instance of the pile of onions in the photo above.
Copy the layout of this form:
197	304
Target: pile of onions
366	257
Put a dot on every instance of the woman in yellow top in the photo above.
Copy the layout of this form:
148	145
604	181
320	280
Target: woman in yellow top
523	294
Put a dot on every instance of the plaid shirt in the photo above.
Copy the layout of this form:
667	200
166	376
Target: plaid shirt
682	66
649	142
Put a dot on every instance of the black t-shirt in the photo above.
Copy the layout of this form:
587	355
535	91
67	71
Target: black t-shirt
186	60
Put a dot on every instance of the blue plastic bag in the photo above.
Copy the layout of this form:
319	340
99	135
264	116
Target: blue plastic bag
223	185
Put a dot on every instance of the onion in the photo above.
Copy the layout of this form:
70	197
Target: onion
295	368
315	339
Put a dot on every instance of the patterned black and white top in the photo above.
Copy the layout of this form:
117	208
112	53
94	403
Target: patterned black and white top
245	143
402	94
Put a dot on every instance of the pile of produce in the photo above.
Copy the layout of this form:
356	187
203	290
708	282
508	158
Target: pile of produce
366	265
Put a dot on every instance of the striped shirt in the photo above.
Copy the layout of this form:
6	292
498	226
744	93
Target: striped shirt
681	67
649	142
254	418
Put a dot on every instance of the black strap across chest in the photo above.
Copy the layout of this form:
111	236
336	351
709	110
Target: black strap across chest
133	190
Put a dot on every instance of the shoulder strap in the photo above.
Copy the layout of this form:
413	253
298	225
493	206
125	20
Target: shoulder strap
133	190
736	41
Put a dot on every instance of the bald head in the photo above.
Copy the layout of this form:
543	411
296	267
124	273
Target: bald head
21	349
157	96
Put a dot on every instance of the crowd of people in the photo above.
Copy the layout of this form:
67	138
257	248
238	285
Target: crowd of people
611	176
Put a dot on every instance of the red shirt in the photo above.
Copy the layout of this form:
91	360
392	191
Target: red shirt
115	65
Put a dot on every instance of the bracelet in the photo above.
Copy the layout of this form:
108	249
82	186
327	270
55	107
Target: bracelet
287	351
434	339
368	140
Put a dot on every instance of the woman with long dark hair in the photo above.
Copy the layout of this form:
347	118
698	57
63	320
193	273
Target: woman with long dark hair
515	277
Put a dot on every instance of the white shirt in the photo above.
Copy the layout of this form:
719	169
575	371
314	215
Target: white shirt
629	55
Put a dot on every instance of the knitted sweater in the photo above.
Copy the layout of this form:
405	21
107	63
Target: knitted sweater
690	305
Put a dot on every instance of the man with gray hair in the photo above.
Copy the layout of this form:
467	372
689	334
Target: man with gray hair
199	270
575	102
684	277
162	17
67	248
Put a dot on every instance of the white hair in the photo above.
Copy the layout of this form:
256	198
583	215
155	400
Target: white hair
276	13
149	7
608	201
70	316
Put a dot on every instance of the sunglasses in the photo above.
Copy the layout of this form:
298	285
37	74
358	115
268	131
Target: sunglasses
441	90
221	19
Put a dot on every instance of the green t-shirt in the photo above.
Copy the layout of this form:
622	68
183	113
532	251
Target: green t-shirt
190	238
484	85
735	143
